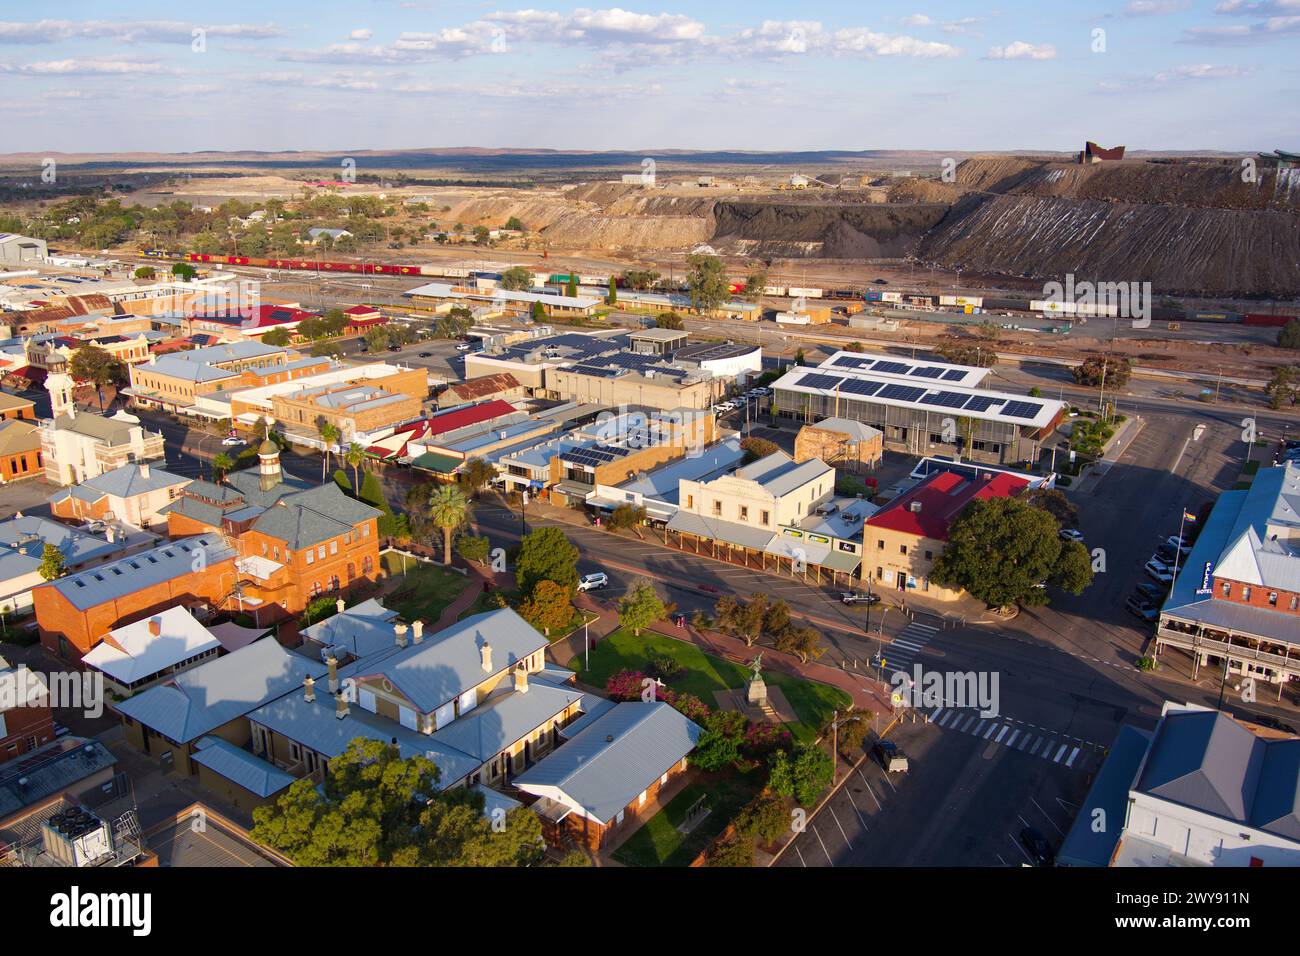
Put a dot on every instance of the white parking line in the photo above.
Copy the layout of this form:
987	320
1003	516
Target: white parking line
1021	849
1048	818
840	825
800	855
870	791
824	850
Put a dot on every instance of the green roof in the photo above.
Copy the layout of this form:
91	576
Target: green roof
442	464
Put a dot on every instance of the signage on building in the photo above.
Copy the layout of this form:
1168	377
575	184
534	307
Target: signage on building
1207	578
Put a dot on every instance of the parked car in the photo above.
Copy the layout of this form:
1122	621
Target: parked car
1167	554
1039	849
232	442
892	759
1159	571
462	348
593	582
1071	534
1265	720
1150	592
1141	607
1182	544
857	597
426	355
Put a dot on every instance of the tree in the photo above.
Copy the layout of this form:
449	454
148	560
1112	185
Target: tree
626	516
1056	504
1288	337
1284	387
539	312
715	751
473	548
363	814
184	271
734	851
278	336
547	555
1111	371
963	353
95	365
145	272
222	465
448	510
640	279
516	279
640	607
706	279
756	448
52	565
749	618
476	475
803	642
755	283
355	456
802	773
549	606
670	320
1002	549
572	289
850	736
329	435
481	235
514	225
612	298
764	820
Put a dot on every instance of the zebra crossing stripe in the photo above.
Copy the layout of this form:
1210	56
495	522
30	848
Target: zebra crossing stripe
1025	741
1038	742
1012	739
1073	753
1001	734
967	722
989	733
1059	753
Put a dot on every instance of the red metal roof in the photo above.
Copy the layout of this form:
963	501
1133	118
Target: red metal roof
360	310
942	497
446	422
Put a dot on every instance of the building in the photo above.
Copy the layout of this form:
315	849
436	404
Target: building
16	407
1209	791
21	251
842	443
139	654
22	544
75	612
503	300
503	386
1235	606
774	514
658	341
26	721
658	490
135	494
903	539
1092	153
355	408
596	786
921	408
397	445
77	446
20	451
176	380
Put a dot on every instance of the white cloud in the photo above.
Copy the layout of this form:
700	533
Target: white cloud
97	67
133	31
1176	76
917	20
1020	50
361	35
862	40
1258	8
1152	8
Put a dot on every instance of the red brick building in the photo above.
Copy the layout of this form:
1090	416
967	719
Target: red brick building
26	721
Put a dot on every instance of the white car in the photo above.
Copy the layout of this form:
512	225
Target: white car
1182	544
462	348
231	442
593	582
1071	534
1159	571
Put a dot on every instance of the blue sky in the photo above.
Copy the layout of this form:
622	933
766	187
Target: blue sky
384	74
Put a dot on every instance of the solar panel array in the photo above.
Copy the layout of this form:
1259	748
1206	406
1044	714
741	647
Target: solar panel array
594	455
982	403
853	361
860	386
901	392
600	371
1026	410
954	375
927	371
892	368
820	381
945	399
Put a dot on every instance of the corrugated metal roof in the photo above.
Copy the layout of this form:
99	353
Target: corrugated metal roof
741	534
133	652
617	756
251	772
94	586
496	724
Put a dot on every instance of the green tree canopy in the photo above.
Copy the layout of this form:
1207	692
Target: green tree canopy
517	279
640	607
448	510
1288	337
52	564
706	278
1112	371
547	555
1001	549
669	320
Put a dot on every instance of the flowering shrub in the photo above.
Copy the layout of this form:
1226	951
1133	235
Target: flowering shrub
762	739
625	685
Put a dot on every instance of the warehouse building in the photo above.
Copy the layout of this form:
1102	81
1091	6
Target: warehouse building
921	407
18	250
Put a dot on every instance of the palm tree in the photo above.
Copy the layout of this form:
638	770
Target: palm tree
448	509
222	464
355	456
329	434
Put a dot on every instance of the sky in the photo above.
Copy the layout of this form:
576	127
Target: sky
384	74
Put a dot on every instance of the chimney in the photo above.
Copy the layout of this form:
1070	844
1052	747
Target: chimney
485	654
340	705
332	663
339	605
110	533
400	630
417	632
521	678
144	469
915	507
155	626
309	689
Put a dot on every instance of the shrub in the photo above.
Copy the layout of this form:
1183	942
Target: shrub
762	738
715	752
764	820
665	667
731	852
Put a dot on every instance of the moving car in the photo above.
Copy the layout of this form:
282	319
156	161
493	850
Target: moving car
891	758
1141	607
462	348
593	582
1039	849
1265	720
231	442
857	597
1071	534
426	355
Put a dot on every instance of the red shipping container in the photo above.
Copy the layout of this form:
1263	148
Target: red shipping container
1265	318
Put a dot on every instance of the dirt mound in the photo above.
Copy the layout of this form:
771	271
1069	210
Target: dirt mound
1177	249
834	231
924	191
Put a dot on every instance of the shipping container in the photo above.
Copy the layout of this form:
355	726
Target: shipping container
875	296
773	290
1267	319
795	293
1056	307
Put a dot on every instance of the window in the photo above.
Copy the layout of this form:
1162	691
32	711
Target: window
880	573
1272	598
1295	602
334	547
902	549
717	508
320	552
744	513
1227	589
766	517
1245	592
880	545
311	557
690	502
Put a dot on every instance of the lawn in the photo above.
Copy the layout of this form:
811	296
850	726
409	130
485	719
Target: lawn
658	843
425	591
813	703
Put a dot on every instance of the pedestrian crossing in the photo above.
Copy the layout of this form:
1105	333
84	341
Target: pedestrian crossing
1059	749
905	648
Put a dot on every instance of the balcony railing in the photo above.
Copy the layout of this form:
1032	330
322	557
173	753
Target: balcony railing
1218	648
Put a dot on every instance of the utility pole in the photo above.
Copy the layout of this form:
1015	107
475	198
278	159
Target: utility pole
835	746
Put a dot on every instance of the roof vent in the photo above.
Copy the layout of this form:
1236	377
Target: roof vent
914	507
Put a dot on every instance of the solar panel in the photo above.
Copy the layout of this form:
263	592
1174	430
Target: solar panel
902	393
891	368
954	375
858	386
1025	410
982	403
927	371
945	399
820	381
852	361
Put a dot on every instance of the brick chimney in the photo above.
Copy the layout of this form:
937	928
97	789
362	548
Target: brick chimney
521	678
309	689
340	705
417	632
339	605
144	469
485	655
399	630
155	626
332	663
